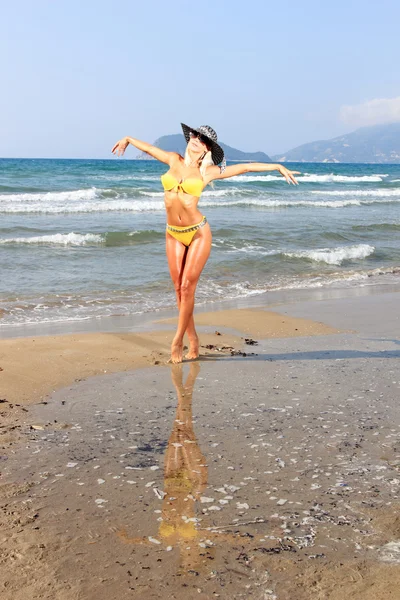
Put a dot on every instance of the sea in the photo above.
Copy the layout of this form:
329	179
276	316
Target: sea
85	239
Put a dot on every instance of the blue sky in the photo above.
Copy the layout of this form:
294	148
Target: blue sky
77	76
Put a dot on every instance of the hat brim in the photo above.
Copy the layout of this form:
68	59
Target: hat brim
217	154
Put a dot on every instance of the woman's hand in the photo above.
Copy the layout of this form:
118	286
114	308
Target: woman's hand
288	175
120	147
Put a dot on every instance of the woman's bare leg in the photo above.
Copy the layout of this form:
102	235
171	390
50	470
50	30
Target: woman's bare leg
176	255
196	258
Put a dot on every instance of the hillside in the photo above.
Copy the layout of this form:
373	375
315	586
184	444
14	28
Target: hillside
177	143
376	144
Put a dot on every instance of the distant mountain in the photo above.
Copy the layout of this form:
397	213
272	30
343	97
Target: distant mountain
376	144
177	143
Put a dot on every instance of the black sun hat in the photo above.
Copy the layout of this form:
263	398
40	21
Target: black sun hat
217	154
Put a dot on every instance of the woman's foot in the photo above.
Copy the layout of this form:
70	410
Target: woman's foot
193	352
176	352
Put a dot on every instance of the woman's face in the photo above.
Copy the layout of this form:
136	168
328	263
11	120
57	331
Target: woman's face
196	144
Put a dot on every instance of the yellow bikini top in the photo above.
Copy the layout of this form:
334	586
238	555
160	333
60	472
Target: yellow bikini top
191	186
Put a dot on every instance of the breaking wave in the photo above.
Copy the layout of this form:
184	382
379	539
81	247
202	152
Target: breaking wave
381	193
334	256
58	239
310	178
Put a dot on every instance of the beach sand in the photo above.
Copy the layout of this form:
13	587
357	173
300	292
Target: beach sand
268	475
33	367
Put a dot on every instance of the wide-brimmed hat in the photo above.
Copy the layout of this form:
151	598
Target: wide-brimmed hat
217	154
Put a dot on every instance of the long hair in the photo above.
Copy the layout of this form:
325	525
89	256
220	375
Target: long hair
205	162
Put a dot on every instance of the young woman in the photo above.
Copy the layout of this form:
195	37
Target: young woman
188	235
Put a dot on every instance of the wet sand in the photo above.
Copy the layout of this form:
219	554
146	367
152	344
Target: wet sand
261	323
35	366
274	475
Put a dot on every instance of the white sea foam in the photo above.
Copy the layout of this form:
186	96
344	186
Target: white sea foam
364	193
345	277
309	177
71	196
77	201
58	239
106	205
215	193
250	178
248	249
259	202
334	256
122	177
312	178
74	203
151	194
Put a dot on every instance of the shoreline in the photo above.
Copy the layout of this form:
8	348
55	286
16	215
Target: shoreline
52	357
148	321
54	361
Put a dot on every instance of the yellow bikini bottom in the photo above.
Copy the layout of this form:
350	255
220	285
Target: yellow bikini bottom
185	235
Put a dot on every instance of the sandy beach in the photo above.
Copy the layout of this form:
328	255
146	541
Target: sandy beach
263	470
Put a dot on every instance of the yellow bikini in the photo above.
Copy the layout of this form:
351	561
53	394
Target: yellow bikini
185	234
193	187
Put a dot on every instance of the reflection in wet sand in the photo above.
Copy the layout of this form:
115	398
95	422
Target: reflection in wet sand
185	473
185	478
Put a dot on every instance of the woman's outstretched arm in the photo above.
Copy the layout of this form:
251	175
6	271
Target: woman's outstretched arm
215	172
161	155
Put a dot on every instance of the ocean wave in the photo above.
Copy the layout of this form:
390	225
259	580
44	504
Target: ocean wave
109	238
134	205
364	193
312	178
381	226
215	193
83	206
251	178
57	239
95	200
68	196
334	256
151	194
321	281
123	177
331	256
261	203
90	200
247	248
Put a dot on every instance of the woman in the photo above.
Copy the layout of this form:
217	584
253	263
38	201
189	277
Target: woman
188	235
